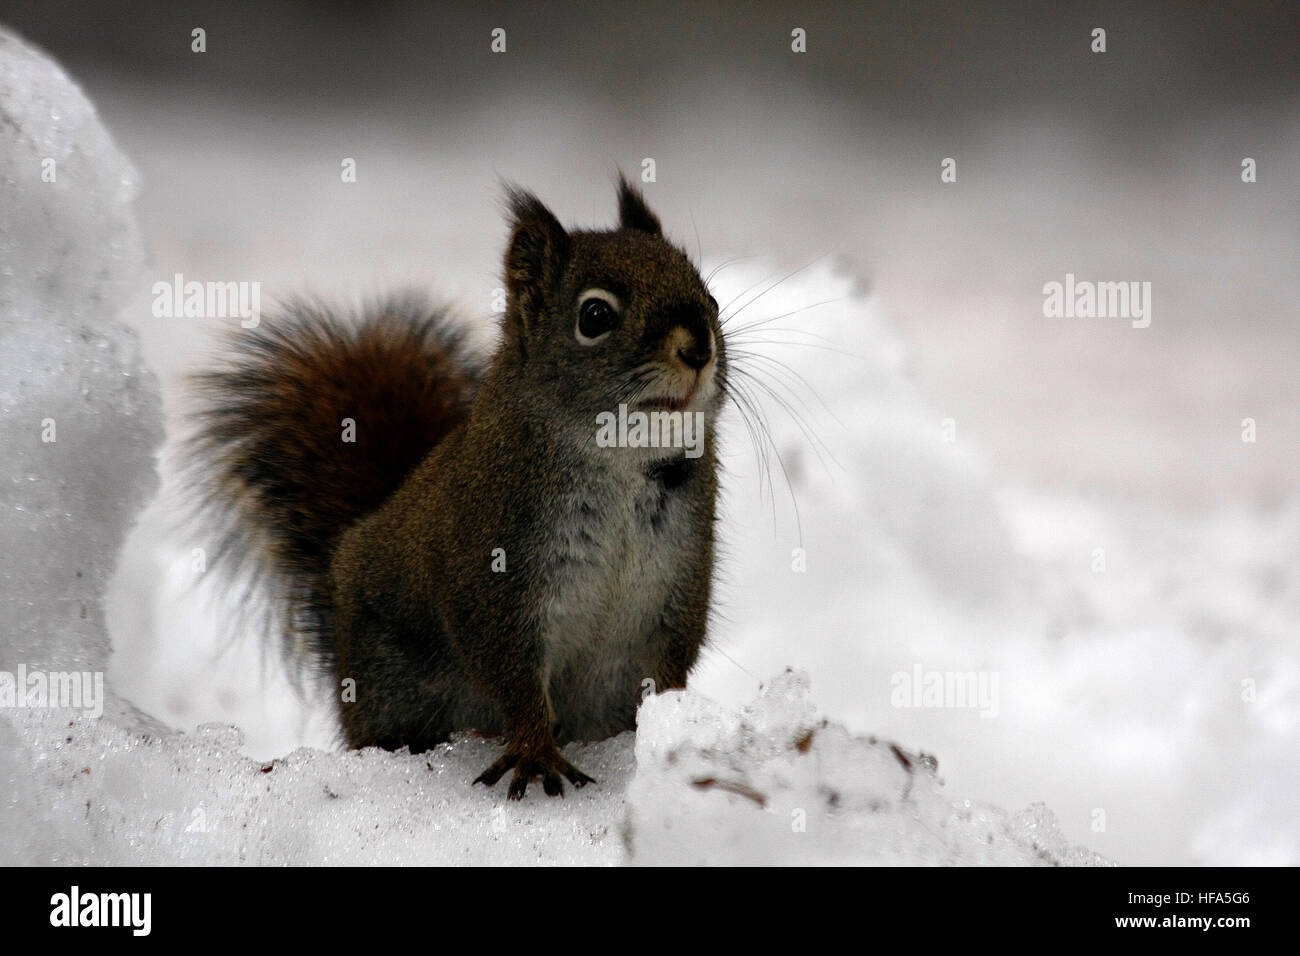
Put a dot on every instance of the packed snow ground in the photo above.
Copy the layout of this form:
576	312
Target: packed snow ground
696	784
1121	694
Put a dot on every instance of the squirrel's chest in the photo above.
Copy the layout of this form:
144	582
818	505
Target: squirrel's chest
616	553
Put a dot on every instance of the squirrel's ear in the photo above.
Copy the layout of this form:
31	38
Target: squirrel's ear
535	258
633	213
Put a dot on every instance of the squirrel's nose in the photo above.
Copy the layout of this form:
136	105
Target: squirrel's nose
697	356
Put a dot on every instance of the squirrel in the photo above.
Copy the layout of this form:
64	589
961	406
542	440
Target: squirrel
474	558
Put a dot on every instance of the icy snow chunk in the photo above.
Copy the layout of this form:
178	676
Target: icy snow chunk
771	784
79	413
68	237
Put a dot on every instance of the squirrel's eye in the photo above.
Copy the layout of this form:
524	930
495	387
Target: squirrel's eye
597	316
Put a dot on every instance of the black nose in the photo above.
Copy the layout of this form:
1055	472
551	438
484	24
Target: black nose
697	356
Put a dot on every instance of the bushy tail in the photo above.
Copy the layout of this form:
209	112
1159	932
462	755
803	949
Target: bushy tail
312	423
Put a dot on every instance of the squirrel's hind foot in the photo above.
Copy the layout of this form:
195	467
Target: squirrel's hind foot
550	765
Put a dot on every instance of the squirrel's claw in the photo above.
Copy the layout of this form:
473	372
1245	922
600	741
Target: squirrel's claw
519	784
576	776
549	767
498	769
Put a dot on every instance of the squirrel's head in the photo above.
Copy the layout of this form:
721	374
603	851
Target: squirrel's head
603	318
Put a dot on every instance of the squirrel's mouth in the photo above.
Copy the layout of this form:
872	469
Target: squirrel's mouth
699	392
670	404
696	397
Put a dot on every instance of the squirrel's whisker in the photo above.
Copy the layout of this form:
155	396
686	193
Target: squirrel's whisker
793	343
818	446
768	443
729	262
760	323
780	368
789	275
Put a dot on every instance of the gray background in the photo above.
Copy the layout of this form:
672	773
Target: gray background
1118	166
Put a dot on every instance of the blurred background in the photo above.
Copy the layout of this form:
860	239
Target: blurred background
1117	165
1073	433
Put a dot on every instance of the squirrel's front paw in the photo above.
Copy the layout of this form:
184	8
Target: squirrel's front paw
549	765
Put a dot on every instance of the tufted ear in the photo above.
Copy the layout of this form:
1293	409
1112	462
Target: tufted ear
535	260
633	213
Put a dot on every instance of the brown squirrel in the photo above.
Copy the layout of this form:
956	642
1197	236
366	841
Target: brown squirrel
475	559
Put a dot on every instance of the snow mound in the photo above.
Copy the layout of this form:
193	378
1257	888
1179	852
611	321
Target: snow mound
771	784
68	236
1145	657
79	413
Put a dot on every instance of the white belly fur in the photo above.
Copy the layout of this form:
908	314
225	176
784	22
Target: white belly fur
611	571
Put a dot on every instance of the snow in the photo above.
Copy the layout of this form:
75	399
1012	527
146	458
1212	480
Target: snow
772	784
79	412
682	789
1150	700
1120	697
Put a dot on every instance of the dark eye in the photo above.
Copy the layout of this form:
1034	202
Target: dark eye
597	316
714	303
